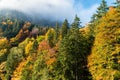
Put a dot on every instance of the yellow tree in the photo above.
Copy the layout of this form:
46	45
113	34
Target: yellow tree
104	61
50	36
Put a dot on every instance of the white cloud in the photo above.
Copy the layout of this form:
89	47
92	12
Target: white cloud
56	9
86	14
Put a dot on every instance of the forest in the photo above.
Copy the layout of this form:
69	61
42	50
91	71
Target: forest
68	51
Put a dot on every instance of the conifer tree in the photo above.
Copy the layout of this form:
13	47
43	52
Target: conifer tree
56	32
72	55
64	28
101	11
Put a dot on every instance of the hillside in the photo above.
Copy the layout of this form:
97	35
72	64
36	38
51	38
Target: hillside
68	52
22	16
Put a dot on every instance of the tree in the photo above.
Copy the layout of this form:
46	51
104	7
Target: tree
101	11
64	28
104	62
75	26
4	49
50	35
57	32
15	56
76	23
117	3
71	57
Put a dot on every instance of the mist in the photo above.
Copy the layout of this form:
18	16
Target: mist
52	9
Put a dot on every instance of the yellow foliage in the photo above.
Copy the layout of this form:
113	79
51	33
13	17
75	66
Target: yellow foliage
103	62
50	31
4	43
50	61
3	51
28	47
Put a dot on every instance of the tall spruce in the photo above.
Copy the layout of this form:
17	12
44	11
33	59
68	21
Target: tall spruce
117	3
65	27
56	32
72	55
101	11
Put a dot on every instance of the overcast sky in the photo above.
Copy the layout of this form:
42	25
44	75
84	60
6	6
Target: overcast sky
56	9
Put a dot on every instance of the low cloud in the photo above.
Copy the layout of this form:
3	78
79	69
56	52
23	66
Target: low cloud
86	14
54	9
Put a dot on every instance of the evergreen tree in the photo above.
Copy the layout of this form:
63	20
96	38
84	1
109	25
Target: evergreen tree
56	32
76	23
64	28
71	57
117	3
101	11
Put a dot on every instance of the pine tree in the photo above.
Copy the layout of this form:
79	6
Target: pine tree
71	55
64	28
75	25
56	32
101	11
117	4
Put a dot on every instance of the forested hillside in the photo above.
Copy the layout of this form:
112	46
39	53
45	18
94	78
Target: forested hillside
62	52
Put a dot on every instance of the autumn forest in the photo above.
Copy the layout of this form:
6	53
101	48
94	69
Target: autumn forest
64	51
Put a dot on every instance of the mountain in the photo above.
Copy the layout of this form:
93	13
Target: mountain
19	15
14	14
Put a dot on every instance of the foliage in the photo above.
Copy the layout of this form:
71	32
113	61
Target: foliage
66	52
104	59
4	46
40	38
57	33
15	56
50	36
64	28
101	11
72	55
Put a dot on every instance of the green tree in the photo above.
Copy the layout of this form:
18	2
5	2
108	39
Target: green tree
101	11
117	3
72	55
64	28
15	56
57	32
40	69
76	23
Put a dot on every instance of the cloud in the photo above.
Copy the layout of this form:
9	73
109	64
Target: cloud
86	14
54	9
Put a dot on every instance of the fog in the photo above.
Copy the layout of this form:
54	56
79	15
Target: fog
54	9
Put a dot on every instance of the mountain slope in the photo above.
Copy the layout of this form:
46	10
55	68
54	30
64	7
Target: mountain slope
15	14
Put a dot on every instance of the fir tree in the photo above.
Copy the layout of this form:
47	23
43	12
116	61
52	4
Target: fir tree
56	32
71	55
101	11
64	28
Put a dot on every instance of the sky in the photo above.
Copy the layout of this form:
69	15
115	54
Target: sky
56	9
